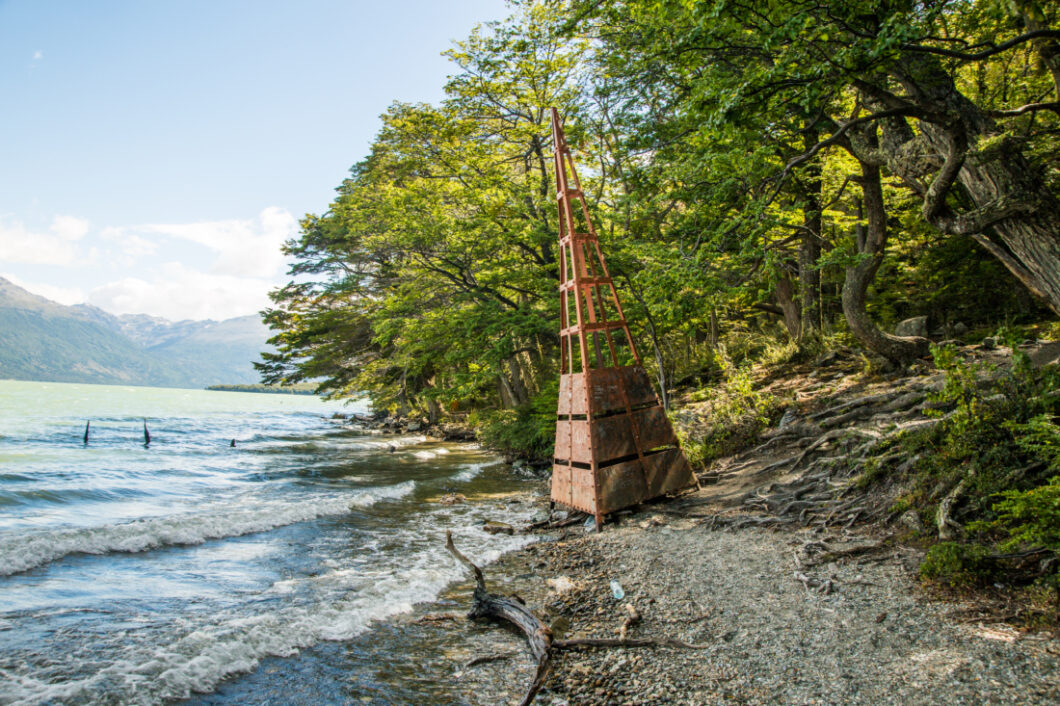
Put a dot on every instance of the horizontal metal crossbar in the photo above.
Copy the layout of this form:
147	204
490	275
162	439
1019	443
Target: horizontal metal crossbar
596	326
585	282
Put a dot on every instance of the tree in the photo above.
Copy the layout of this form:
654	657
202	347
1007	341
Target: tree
782	83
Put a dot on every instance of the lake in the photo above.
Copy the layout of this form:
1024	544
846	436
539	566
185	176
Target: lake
144	574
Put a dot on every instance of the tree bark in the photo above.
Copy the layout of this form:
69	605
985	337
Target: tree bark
793	320
871	245
810	247
1010	198
517	387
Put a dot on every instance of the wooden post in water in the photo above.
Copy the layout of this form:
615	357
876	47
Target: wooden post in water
615	446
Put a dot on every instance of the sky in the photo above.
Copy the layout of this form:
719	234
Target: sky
155	155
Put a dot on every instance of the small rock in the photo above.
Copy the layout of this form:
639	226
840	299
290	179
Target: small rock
494	527
989	343
916	326
788	417
959	329
414	426
453	499
826	359
911	519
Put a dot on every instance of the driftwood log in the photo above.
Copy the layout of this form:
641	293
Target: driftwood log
489	605
538	635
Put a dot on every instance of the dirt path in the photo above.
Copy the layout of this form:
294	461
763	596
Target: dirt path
781	569
866	637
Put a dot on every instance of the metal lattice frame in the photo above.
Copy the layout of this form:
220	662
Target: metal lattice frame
615	446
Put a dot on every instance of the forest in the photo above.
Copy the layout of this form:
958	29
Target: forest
769	180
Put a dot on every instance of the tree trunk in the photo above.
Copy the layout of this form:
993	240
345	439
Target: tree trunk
810	248
516	385
505	392
785	292
434	412
1011	198
656	346
859	276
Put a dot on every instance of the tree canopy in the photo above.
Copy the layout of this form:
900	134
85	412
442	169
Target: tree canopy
788	168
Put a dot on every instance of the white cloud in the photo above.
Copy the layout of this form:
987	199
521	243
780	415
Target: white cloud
54	247
245	248
155	269
176	292
69	227
38	55
63	295
133	247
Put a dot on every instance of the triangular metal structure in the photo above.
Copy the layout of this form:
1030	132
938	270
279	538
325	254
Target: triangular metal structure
615	446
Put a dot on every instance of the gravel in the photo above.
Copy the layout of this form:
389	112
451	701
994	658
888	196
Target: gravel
767	638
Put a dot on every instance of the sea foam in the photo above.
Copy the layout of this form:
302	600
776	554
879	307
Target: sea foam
21	551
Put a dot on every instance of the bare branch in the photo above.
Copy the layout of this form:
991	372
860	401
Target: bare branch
1023	109
995	49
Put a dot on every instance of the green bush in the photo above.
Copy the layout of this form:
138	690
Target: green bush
959	565
1031	516
735	415
527	432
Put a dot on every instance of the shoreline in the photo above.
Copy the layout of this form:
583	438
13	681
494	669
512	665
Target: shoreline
769	637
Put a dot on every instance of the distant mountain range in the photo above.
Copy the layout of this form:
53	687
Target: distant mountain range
43	340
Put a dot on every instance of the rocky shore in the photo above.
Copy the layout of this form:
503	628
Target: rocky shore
771	627
383	423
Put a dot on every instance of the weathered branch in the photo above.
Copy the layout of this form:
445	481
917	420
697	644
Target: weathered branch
907	109
538	635
489	605
986	53
1024	109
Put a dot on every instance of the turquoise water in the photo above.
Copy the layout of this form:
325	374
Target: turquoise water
143	574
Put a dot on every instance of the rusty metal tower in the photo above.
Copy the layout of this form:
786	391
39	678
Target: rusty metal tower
615	446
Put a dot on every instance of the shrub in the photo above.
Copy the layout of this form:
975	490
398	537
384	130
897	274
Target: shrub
736	413
527	432
959	565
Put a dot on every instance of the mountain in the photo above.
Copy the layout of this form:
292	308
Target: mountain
43	340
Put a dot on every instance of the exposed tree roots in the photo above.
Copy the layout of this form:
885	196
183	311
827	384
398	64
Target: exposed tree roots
818	458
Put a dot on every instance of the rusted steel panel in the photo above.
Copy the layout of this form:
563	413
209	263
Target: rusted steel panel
583	496
606	387
573	487
572	401
572	441
638	386
614	438
622	485
561	487
563	439
654	428
667	470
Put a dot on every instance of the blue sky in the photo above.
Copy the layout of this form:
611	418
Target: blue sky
154	155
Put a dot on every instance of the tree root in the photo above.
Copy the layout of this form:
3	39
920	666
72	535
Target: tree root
948	529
